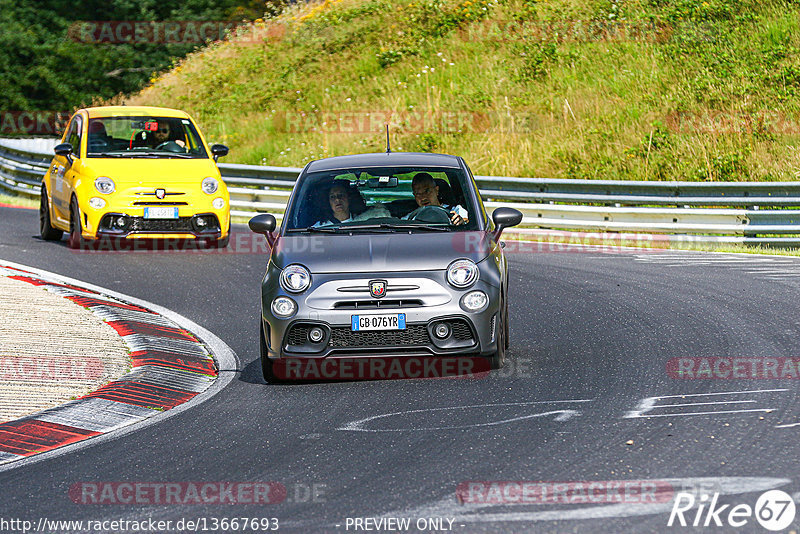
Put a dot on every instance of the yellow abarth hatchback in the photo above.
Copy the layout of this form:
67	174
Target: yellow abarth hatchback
134	173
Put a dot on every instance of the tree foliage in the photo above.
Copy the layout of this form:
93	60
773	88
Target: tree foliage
43	68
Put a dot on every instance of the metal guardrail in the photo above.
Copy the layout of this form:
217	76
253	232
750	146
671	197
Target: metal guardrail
704	211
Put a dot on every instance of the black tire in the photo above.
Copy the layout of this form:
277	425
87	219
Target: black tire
507	322
267	368
46	229
75	240
498	359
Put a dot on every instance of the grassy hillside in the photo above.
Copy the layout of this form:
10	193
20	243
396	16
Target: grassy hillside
606	89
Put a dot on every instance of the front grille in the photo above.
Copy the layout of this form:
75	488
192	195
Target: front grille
461	330
140	224
413	335
298	335
373	304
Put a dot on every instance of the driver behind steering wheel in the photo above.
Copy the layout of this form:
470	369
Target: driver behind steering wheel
164	135
426	193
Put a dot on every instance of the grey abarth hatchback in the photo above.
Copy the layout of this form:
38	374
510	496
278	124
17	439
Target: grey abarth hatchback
384	255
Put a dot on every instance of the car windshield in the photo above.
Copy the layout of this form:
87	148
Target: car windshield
146	137
383	199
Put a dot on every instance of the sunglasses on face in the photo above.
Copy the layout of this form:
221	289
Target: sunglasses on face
423	192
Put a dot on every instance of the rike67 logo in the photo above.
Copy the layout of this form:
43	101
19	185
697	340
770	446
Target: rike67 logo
774	510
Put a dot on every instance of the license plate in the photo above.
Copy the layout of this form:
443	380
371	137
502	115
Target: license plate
392	321
161	212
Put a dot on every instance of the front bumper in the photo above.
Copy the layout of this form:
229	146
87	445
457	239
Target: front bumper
201	225
471	333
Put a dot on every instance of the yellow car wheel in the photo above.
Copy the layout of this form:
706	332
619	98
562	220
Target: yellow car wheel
75	238
46	229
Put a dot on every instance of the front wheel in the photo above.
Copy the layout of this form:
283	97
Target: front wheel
267	366
46	229
498	359
75	238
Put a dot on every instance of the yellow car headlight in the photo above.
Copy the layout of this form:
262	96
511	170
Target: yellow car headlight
209	185
104	185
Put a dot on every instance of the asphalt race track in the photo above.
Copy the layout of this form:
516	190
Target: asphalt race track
585	396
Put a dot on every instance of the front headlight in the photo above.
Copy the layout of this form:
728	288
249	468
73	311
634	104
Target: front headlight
104	185
462	273
295	278
209	185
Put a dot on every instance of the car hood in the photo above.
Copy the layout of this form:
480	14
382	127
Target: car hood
146	171
373	253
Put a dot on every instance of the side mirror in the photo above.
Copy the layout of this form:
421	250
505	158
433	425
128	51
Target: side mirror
218	151
64	149
504	218
263	223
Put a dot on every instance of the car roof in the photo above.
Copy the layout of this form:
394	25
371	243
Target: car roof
384	159
135	111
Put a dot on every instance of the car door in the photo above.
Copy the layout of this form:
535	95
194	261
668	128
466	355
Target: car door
63	177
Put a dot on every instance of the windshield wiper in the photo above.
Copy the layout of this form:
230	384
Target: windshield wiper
416	227
108	154
381	226
158	154
322	229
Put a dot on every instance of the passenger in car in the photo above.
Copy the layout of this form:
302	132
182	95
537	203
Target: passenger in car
426	193
345	204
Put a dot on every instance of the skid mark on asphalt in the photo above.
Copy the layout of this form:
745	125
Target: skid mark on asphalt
559	415
763	267
651	404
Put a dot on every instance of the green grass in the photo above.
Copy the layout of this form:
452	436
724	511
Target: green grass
684	89
19	201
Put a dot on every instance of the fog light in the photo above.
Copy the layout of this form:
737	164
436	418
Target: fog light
474	301
97	203
316	334
201	221
283	307
218	203
442	330
119	222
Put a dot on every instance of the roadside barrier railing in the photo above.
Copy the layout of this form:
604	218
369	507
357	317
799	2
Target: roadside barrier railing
727	212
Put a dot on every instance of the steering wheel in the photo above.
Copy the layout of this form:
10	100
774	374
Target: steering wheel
430	214
170	146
